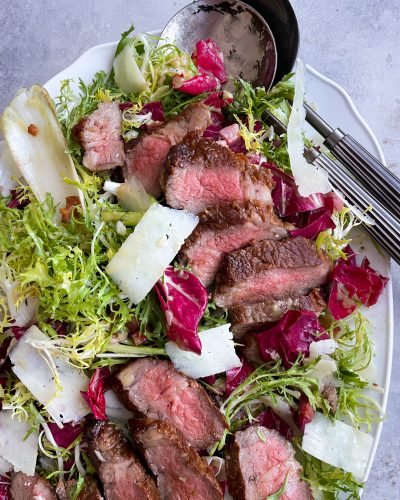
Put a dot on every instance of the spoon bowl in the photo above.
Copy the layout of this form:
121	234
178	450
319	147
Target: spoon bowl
242	33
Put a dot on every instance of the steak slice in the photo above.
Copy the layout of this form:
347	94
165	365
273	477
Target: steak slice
200	173
154	388
25	487
270	270
224	228
254	317
180	471
100	135
257	464
90	491
120	471
146	156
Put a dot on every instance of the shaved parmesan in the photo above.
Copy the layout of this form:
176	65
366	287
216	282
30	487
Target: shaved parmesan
38	146
325	371
217	354
338	444
37	368
145	254
322	347
309	178
21	453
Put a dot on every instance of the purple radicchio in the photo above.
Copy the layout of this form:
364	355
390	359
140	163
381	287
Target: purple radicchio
291	336
350	282
183	299
94	396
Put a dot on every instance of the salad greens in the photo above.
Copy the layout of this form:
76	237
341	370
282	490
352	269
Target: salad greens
54	274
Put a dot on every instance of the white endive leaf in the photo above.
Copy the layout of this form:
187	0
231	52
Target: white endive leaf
8	170
40	156
38	369
309	178
17	449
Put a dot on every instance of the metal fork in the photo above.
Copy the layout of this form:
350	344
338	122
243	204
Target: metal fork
386	227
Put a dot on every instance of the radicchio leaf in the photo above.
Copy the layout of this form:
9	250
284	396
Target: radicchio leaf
67	435
209	59
304	414
350	282
94	396
236	376
269	419
18	200
291	336
212	132
5	488
156	109
196	85
310	214
183	299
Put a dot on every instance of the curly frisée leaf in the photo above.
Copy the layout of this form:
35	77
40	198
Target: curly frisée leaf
37	145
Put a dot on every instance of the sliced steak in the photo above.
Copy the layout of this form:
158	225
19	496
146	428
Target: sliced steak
180	471
154	388
120	471
200	173
224	228
100	136
90	491
146	156
270	270
254	317
25	487
257	464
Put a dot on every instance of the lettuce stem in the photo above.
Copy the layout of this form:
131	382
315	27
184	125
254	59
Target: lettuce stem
127	218
134	351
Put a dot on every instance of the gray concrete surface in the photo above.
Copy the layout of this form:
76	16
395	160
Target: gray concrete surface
355	42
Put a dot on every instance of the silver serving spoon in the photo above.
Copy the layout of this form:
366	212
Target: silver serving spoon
241	32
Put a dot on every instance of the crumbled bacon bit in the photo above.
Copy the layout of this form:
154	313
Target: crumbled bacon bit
71	203
32	129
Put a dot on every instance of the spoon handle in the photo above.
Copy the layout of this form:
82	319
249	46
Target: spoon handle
369	171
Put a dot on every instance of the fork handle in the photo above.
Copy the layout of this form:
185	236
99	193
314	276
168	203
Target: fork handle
364	167
369	171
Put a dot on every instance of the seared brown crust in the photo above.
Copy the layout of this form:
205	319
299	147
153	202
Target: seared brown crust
224	228
270	270
202	154
254	317
265	255
234	478
150	434
214	425
120	471
197	148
